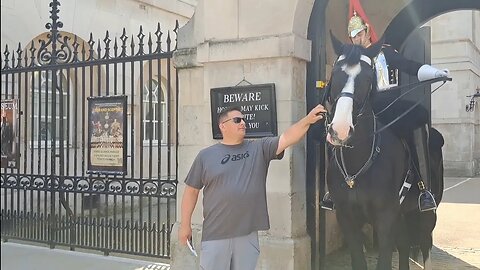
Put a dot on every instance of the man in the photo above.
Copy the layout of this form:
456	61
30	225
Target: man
233	176
387	64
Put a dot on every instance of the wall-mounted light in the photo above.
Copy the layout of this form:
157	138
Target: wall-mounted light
471	106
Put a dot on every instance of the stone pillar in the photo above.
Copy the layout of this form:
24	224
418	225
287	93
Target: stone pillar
261	42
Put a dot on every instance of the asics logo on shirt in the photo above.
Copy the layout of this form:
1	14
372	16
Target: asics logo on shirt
234	157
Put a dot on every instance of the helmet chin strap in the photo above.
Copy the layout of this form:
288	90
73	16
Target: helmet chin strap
368	44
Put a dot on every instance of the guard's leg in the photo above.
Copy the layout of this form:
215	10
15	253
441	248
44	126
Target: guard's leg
426	201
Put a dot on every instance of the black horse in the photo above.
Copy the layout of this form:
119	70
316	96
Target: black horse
369	174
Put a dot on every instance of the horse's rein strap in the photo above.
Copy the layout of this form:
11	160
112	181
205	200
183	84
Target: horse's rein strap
375	150
413	106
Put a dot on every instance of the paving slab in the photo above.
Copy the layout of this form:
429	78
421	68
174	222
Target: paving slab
15	256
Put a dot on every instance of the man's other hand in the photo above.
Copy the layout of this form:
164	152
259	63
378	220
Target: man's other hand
184	233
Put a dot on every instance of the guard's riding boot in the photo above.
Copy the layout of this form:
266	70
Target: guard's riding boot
426	202
327	202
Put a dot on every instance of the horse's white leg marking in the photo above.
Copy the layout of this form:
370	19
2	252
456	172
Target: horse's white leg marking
458	184
342	121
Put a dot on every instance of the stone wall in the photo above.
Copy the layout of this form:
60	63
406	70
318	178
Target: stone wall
22	21
456	46
261	42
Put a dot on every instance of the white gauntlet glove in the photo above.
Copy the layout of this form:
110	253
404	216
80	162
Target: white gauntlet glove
427	72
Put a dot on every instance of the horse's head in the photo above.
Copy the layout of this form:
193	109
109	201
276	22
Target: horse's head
350	86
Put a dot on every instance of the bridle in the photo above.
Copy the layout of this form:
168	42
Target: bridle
332	108
338	150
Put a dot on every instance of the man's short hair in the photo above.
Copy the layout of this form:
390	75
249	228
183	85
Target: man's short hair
224	113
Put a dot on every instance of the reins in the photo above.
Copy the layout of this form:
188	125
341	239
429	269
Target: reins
416	85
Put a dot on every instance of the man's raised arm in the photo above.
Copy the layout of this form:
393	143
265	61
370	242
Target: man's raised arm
295	132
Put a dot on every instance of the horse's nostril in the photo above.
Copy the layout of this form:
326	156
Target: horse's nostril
334	136
331	131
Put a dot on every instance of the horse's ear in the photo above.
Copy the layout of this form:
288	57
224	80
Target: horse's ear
373	50
337	45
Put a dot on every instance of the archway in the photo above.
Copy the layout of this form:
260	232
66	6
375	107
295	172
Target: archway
400	25
417	13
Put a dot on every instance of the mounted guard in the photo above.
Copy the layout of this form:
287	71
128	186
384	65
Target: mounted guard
387	65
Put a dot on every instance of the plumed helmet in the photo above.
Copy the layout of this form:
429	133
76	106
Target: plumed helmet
356	25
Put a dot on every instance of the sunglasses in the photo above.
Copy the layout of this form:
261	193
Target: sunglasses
235	120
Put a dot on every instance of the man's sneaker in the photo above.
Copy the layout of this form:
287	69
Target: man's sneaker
426	202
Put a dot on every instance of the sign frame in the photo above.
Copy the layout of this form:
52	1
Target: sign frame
118	106
257	101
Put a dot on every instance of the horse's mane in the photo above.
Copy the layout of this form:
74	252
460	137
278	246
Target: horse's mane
352	53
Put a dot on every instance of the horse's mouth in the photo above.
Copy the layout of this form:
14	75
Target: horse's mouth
333	139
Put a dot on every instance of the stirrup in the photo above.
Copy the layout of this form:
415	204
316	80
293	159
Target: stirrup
426	201
327	202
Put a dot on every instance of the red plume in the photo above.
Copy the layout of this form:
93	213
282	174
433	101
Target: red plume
355	5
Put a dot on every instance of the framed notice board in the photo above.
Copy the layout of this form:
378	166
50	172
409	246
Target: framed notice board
258	104
107	135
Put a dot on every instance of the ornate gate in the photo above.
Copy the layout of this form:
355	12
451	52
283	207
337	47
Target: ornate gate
49	192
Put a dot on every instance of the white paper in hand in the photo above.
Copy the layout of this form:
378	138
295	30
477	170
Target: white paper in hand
190	246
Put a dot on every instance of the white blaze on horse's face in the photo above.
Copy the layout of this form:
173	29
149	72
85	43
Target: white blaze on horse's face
342	125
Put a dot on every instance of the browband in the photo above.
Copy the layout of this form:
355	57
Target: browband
364	58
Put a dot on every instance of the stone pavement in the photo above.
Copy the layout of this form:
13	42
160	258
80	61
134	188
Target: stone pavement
15	256
442	259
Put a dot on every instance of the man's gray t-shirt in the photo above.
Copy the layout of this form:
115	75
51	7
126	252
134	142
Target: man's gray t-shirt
233	178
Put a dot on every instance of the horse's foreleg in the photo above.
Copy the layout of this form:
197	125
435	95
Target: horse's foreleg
385	227
403	246
426	247
353	236
403	258
428	221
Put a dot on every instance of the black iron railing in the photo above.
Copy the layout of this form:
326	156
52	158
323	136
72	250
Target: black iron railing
48	195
